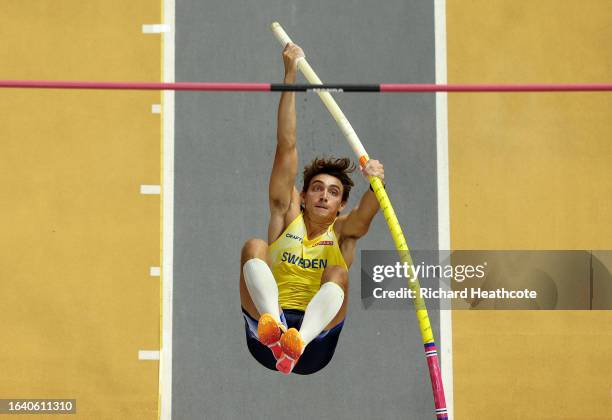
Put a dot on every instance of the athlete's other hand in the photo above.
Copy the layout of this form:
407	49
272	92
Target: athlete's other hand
373	167
291	54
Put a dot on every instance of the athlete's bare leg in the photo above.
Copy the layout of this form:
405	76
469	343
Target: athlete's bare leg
259	295
253	248
329	303
338	275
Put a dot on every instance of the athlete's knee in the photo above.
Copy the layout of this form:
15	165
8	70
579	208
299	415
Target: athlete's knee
254	248
336	274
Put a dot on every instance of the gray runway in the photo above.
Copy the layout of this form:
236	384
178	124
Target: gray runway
224	148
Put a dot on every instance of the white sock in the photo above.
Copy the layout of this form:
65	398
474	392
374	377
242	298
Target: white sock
262	287
323	307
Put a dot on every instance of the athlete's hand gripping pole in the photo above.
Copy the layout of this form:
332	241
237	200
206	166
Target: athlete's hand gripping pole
431	353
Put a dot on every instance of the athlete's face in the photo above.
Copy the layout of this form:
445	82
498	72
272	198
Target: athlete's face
323	199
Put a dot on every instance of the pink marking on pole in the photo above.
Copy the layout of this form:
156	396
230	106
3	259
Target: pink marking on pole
436	381
584	87
187	86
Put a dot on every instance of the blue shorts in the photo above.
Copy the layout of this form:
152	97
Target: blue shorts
317	353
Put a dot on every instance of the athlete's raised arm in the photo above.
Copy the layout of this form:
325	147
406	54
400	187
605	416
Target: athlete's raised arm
357	222
282	193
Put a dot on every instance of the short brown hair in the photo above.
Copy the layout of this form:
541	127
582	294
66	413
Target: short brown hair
336	167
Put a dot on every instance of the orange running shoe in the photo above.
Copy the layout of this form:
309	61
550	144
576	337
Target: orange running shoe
270	332
293	347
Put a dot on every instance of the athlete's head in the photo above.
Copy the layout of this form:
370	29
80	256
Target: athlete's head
327	185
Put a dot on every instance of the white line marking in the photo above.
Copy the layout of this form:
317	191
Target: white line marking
156	28
150	189
446	328
154	271
165	366
156	108
148	355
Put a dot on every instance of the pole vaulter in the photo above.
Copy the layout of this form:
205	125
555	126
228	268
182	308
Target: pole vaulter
431	353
